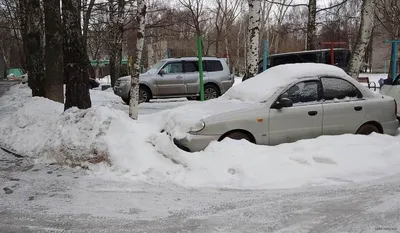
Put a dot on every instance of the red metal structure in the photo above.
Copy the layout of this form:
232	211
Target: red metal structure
332	44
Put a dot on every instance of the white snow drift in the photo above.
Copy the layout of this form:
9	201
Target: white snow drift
136	150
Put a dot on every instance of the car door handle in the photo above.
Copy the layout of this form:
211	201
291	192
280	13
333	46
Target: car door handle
312	113
358	108
179	77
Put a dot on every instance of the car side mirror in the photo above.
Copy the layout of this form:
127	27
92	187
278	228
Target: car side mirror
162	72
283	103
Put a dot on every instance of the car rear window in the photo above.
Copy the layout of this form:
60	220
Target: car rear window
213	66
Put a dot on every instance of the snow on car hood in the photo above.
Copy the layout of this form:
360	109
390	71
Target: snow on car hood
264	85
178	121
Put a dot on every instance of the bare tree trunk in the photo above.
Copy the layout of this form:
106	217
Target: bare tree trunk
86	19
116	33
54	73
34	45
237	69
364	36
134	92
311	29
75	59
253	38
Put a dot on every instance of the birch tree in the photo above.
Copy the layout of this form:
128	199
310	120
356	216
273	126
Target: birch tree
134	91
311	24
54	79
75	58
363	39
253	38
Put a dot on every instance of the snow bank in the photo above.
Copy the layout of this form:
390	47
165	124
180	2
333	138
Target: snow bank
136	150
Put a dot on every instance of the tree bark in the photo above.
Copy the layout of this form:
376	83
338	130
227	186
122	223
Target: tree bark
134	92
75	59
116	33
34	45
311	29
364	36
253	38
54	73
86	19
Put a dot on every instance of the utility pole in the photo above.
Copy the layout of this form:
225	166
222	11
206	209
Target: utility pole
394	56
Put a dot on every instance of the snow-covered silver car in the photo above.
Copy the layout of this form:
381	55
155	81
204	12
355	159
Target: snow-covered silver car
179	77
285	103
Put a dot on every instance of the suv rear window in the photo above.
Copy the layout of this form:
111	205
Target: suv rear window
212	66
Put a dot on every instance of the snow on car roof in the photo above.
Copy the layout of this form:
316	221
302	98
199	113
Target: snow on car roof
264	85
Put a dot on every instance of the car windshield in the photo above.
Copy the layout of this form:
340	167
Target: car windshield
155	67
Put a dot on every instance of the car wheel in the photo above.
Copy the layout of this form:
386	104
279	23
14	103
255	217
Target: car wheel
237	135
210	92
367	129
144	94
126	101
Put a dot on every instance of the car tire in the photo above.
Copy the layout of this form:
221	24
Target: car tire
142	90
211	92
125	100
144	94
237	135
367	129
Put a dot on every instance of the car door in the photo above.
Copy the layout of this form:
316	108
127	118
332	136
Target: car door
302	120
191	77
392	90
170	81
343	104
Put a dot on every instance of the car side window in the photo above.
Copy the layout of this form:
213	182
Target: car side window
302	92
337	88
191	66
213	66
173	68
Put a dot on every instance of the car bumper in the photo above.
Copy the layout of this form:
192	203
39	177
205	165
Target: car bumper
226	85
390	127
196	142
121	91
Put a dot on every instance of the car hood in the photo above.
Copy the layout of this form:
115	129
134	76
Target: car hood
178	121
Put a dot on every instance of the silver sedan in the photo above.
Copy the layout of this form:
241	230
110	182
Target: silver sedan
284	104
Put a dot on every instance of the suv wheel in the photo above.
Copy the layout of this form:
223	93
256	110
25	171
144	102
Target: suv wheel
144	94
210	92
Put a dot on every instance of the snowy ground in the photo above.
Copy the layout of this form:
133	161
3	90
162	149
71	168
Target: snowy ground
330	184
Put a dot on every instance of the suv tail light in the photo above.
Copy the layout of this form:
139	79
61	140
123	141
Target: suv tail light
395	107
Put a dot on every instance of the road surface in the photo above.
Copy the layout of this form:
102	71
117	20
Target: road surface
5	85
50	198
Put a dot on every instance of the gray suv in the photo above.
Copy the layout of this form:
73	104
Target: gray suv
179	77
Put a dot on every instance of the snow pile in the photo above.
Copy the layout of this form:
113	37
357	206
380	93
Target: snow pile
40	129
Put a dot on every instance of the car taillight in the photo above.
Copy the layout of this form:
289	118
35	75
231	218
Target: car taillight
395	107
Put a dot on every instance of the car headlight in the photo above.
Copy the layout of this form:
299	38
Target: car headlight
198	126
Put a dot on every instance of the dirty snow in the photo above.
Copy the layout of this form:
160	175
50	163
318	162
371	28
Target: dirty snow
136	150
